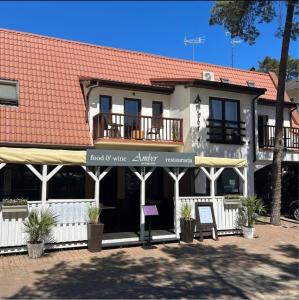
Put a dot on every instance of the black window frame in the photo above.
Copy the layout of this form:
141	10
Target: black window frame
6	101
110	102
223	127
161	108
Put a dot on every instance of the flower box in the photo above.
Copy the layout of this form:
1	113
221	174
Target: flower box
14	206
232	200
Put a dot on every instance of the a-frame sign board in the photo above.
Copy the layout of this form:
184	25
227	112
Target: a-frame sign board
205	219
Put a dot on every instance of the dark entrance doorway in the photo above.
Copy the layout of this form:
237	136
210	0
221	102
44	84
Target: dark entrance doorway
159	192
120	199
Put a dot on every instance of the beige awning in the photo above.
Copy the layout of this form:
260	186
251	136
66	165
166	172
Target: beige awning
42	156
202	161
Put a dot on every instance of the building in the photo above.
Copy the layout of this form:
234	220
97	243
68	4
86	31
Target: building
59	98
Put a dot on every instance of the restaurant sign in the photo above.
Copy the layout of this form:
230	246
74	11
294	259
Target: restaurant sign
139	158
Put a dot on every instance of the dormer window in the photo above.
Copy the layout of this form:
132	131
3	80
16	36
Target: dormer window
251	83
224	80
9	94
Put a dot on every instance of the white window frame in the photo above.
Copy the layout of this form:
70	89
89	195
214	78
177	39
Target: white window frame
10	102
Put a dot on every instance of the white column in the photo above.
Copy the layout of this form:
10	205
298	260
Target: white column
212	182
2	165
143	176
44	184
245	182
176	176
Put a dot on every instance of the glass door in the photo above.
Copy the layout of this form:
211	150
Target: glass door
132	117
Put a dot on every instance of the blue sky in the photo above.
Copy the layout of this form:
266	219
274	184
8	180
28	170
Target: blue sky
154	27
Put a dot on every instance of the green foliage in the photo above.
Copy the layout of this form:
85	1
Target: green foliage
241	17
38	225
186	210
94	214
13	202
269	64
251	207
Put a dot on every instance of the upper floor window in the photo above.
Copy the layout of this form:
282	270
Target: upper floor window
9	92
105	104
157	109
224	122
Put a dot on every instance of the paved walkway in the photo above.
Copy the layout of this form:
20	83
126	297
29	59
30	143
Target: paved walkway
263	268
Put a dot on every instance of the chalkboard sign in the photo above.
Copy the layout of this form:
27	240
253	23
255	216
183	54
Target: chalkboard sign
205	219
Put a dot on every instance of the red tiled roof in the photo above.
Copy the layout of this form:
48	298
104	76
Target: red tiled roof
51	108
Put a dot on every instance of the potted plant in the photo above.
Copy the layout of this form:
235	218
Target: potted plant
187	223
232	199
95	229
251	207
18	205
38	227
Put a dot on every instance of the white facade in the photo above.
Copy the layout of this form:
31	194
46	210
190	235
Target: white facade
181	104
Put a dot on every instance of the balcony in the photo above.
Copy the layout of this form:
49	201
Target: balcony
266	137
137	128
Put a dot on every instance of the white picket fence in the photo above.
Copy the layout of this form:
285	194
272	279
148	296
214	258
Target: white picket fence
225	214
71	226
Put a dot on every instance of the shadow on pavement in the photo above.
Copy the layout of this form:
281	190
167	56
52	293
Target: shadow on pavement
194	271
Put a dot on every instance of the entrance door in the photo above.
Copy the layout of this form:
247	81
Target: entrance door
132	116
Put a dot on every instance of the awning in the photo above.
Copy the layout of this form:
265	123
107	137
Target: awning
78	157
202	161
42	156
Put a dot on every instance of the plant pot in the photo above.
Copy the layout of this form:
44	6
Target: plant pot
248	232
137	134
35	250
95	237
187	230
15	209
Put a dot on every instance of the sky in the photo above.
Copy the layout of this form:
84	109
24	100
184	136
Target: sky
154	27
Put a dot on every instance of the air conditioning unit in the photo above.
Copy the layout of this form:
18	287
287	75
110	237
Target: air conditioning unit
208	76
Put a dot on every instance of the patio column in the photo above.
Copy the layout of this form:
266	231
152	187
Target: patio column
2	165
143	176
243	176
97	177
176	176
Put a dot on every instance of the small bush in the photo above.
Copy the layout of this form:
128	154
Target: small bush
13	202
38	225
94	214
251	207
186	211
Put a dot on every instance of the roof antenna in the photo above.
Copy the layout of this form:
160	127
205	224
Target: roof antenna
233	41
193	42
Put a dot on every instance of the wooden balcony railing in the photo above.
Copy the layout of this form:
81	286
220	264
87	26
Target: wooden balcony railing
267	135
121	126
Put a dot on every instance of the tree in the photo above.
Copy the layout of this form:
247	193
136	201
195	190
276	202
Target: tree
272	64
240	18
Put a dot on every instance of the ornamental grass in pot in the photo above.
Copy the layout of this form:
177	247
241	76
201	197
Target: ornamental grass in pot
250	209
38	227
95	229
187	223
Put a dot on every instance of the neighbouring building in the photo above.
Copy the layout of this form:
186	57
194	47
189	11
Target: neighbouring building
59	98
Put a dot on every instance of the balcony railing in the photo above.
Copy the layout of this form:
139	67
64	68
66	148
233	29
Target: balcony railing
121	126
267	136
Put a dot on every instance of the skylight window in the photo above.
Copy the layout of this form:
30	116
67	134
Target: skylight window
224	80
9	94
251	83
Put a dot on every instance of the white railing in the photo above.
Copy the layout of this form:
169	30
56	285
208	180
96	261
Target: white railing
71	226
225	215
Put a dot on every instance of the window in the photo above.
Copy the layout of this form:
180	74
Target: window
251	83
8	92
105	104
157	108
224	122
105	110
224	80
228	183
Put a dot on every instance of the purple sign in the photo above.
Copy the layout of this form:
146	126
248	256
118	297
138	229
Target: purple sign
150	210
